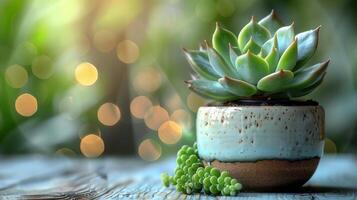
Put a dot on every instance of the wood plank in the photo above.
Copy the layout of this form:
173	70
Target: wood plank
127	178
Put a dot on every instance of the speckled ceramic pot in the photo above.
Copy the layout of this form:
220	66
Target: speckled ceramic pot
264	147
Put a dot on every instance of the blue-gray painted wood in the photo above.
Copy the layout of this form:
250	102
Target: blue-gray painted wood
113	178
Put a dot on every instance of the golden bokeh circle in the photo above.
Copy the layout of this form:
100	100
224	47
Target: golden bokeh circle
149	150
155	116
86	74
181	117
26	105
16	76
139	106
109	114
170	132
42	67
92	146
128	51
147	80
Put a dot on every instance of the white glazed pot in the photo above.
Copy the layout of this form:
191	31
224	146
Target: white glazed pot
265	147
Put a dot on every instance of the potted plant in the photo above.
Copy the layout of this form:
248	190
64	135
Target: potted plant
257	130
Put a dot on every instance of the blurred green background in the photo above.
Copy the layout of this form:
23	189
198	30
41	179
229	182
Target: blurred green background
101	77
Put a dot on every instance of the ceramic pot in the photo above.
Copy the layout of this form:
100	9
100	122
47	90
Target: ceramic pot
264	147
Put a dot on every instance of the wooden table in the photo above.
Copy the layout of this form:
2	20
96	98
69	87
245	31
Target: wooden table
38	177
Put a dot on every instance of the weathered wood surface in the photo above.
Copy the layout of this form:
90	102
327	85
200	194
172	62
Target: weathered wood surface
112	178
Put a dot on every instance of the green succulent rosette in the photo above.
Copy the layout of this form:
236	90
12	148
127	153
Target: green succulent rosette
267	59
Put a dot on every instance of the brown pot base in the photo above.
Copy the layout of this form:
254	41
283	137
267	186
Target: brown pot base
270	175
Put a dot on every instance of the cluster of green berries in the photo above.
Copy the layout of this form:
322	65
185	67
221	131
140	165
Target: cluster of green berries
191	176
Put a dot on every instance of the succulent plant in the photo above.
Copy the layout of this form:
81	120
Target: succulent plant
265	60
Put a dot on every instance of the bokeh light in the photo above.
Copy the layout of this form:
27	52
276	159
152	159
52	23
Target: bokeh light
194	102
139	106
149	150
127	51
86	74
104	40
26	105
108	114
170	132
182	117
92	146
155	117
147	80
16	76
42	67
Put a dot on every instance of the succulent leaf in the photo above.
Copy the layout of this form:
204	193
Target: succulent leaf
271	22
288	59
269	45
233	53
219	65
210	89
199	62
285	37
272	59
251	67
252	46
275	82
238	87
307	90
308	76
220	40
307	45
252	30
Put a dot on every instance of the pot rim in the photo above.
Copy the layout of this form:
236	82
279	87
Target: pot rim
264	102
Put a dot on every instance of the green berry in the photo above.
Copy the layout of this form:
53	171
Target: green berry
220	187
183	157
190	176
213	180
206	174
200	172
226	191
179	172
227	180
179	188
181	180
232	188
213	189
184	147
185	169
194	158
233	193
197	186
224	174
206	181
189	162
196	178
191	170
238	186
215	172
208	169
190	151
234	181
165	178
